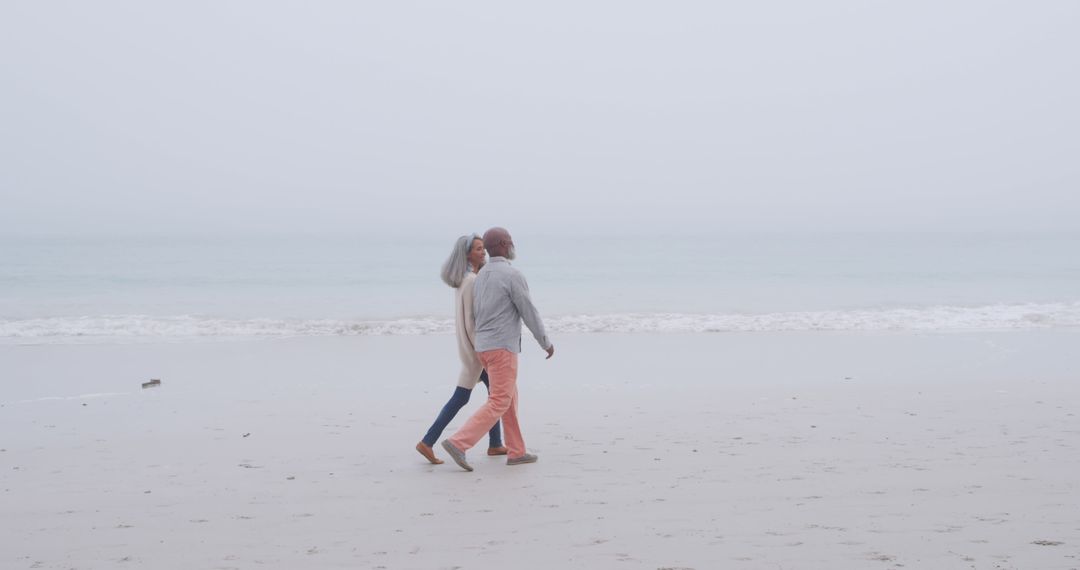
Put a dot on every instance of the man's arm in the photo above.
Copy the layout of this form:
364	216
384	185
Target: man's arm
519	294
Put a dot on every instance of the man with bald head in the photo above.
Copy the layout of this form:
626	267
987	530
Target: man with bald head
501	302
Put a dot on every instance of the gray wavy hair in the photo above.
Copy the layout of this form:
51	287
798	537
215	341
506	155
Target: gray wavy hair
456	266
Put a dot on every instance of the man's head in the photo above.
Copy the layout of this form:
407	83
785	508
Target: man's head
498	243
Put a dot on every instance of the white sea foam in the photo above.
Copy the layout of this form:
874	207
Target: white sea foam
992	317
140	328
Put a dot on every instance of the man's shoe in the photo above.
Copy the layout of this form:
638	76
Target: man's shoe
527	458
456	454
428	453
501	450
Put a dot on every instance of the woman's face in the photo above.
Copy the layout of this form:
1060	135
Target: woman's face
477	255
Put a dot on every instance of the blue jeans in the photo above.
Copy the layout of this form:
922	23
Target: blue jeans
458	401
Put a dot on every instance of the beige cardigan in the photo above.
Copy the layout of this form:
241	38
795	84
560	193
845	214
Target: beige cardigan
466	333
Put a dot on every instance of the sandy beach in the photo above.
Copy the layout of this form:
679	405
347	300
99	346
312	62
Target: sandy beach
777	450
810	270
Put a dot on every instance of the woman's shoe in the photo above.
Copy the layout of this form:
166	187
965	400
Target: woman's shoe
428	453
497	450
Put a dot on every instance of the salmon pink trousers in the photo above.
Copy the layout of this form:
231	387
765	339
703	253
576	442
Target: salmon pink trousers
501	366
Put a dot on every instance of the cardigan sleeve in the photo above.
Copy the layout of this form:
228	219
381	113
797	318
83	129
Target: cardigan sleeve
467	310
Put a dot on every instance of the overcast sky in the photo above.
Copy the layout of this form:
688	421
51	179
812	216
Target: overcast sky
414	117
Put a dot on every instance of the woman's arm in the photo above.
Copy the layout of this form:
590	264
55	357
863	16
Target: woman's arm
467	309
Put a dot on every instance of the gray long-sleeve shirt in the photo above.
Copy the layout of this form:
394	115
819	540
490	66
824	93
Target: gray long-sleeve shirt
500	303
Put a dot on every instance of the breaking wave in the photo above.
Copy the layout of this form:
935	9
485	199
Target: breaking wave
140	328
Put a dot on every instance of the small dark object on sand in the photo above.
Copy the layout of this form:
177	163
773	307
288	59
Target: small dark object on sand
153	382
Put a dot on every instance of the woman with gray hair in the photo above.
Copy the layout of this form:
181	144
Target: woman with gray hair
459	272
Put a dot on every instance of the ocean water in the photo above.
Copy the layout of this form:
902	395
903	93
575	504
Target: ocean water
113	289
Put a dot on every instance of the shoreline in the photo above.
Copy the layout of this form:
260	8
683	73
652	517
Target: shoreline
930	319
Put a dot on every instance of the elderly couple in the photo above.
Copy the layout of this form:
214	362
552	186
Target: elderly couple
490	302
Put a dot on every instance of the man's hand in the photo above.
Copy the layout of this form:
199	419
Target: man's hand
550	351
